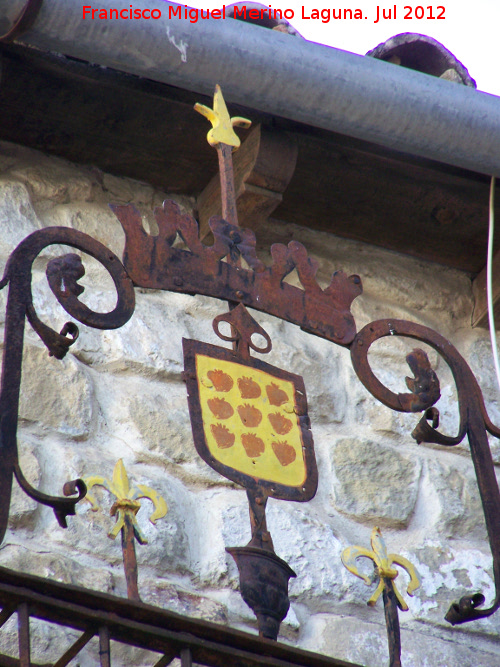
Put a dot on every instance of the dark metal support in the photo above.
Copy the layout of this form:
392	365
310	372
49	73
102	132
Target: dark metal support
104	647
5	614
23	626
261	537
148	627
186	658
74	650
392	623
228	194
165	660
63	274
130	559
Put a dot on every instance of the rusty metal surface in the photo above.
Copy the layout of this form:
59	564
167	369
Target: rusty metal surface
474	423
152	261
264	586
392	623
155	262
63	274
144	626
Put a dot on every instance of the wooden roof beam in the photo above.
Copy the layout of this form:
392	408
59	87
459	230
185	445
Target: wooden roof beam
263	167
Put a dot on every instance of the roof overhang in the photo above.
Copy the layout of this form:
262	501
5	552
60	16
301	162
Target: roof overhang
386	155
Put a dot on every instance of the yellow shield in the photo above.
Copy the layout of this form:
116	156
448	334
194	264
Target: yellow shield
250	421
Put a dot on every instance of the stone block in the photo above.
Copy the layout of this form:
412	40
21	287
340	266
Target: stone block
23	509
52	180
17	217
165	595
449	571
150	344
57	566
460	514
374	484
160	413
312	549
95	219
56	395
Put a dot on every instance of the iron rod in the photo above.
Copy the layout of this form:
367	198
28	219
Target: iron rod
104	647
130	559
228	194
5	614
165	660
392	623
23	625
186	658
75	649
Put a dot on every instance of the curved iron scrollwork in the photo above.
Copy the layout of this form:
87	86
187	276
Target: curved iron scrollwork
474	423
63	274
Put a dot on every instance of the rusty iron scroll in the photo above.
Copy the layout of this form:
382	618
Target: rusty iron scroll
474	423
63	274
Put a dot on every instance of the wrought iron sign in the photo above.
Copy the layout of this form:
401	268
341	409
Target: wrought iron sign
249	418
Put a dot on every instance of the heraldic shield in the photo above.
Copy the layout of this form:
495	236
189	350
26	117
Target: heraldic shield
250	421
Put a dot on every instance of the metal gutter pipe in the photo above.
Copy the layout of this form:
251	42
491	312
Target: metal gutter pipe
281	75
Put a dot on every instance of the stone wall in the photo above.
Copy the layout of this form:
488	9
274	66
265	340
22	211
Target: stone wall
119	394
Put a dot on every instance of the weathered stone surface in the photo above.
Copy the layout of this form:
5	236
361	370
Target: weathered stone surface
447	574
55	394
51	181
23	509
150	343
57	566
365	643
163	594
17	217
318	361
312	549
458	511
161	415
94	219
374	483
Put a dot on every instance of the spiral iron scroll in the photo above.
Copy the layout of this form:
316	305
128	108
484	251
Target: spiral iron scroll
63	274
474	422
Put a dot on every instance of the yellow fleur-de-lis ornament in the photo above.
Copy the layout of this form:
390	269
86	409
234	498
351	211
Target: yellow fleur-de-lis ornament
125	509
384	570
385	573
222	124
